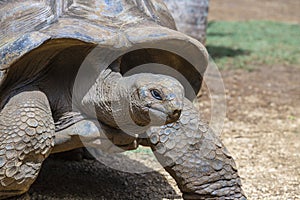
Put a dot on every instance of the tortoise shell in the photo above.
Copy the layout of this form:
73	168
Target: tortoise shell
38	33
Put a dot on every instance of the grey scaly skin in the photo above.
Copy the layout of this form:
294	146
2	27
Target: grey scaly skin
196	158
26	139
27	126
189	151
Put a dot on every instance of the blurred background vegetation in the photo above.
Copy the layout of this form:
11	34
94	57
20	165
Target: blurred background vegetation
249	44
242	33
249	34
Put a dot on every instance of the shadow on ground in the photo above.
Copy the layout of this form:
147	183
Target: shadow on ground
221	51
89	179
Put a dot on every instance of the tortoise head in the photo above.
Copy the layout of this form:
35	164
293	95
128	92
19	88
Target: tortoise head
154	98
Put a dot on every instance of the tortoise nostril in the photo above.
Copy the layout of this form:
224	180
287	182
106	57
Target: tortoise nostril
173	116
176	113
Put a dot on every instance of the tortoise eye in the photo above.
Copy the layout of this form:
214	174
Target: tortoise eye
156	94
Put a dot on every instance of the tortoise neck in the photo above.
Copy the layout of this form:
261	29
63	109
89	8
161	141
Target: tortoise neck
108	93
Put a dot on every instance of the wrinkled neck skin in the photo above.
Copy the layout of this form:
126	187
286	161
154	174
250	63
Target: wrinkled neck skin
112	100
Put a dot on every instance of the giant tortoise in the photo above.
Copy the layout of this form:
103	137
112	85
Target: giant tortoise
45	44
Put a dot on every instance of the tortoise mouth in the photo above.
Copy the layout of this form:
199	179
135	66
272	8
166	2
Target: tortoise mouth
162	117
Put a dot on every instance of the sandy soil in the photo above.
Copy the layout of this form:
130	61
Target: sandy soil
262	129
263	126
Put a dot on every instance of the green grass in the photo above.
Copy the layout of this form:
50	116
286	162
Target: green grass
141	149
249	44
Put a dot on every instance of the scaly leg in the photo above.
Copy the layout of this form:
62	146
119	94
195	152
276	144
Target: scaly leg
26	139
191	152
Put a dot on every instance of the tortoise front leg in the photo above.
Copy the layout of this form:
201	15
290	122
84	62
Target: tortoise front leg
195	158
26	139
92	134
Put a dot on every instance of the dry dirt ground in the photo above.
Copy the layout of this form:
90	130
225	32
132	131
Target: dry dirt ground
262	131
236	10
